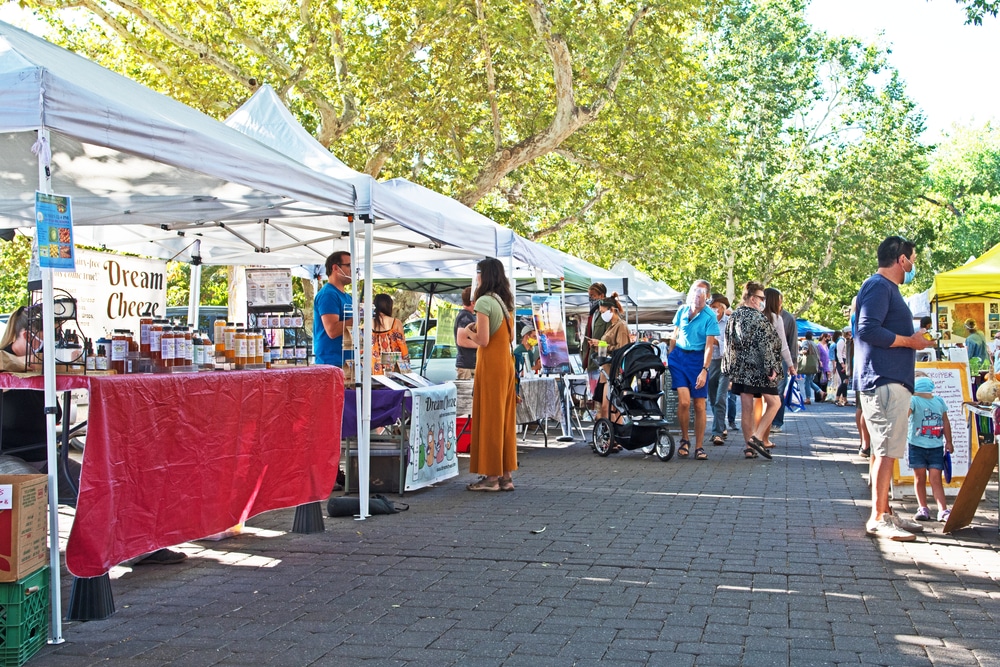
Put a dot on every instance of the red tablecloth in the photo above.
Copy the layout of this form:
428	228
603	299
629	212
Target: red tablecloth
172	458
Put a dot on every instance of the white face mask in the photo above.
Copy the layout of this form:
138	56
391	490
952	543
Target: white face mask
606	316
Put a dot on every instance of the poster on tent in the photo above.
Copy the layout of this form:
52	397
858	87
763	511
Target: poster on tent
951	382
114	291
445	333
546	311
433	455
54	232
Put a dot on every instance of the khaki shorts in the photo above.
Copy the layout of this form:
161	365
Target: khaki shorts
886	410
464	373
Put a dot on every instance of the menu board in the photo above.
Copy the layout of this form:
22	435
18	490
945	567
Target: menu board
269	288
951	383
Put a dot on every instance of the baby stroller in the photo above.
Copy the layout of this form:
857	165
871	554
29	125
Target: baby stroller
634	392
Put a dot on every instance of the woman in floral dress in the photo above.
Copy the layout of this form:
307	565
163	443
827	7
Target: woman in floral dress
753	362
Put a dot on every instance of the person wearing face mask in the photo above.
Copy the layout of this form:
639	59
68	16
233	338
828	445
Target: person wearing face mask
690	358
529	347
594	329
975	342
885	348
753	362
332	310
617	336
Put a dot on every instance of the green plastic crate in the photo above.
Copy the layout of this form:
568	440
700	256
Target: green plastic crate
24	615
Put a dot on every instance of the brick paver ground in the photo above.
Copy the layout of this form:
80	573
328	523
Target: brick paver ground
621	560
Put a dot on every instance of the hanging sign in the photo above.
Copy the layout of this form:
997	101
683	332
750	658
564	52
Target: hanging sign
432	436
114	291
269	288
54	232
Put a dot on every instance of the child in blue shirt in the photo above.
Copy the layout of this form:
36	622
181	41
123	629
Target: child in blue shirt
929	437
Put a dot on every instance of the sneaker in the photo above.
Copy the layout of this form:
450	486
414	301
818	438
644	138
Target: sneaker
775	429
923	514
905	524
943	515
864	452
732	426
888	530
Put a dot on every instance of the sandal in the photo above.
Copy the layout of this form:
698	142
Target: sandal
484	484
769	444
718	440
700	454
684	448
749	453
758	445
506	484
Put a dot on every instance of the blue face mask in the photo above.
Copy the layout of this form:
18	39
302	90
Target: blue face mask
908	276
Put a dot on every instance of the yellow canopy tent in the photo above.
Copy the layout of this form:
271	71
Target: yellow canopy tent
978	278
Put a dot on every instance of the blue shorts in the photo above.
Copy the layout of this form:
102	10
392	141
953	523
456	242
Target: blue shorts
926	457
685	365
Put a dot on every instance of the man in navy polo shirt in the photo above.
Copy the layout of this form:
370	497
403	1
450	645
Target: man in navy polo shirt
884	357
689	361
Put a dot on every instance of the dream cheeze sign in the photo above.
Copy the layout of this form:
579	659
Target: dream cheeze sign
114	291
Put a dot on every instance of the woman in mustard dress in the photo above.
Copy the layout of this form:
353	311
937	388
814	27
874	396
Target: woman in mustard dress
493	451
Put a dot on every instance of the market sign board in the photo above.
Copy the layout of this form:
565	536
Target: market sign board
114	291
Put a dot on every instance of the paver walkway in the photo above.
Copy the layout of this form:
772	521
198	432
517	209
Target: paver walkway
621	560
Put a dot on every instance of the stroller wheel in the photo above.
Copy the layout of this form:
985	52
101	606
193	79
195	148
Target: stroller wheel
604	436
664	444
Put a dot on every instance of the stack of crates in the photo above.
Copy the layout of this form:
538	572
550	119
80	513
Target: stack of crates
24	615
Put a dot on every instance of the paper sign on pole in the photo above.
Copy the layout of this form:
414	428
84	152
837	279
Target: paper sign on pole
54	232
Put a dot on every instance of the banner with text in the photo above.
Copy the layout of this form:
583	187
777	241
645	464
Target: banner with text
114	291
432	436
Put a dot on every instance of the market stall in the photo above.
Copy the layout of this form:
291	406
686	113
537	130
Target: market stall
151	175
971	291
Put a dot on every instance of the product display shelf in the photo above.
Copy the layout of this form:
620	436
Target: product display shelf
284	332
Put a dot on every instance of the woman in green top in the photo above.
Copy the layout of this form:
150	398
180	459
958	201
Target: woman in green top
493	451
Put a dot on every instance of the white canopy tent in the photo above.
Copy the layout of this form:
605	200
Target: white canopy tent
151	175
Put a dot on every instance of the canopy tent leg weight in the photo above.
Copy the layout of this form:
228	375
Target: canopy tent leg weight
91	599
308	519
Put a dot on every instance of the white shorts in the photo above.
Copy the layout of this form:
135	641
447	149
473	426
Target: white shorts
886	410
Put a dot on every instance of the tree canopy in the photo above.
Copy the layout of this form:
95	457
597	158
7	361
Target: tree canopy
724	139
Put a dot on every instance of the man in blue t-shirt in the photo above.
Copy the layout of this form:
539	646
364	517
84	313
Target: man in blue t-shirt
332	310
884	357
689	361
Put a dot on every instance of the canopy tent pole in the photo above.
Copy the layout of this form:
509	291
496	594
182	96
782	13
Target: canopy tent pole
365	364
567	426
362	437
194	291
427	326
41	149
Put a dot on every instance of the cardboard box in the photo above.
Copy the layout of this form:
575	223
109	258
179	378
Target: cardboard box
24	505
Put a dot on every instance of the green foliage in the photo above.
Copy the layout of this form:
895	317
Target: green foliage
15	256
738	143
214	284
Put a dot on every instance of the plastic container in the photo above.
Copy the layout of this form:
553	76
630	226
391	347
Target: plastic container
24	615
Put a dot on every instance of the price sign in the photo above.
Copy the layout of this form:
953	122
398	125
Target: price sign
6	496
